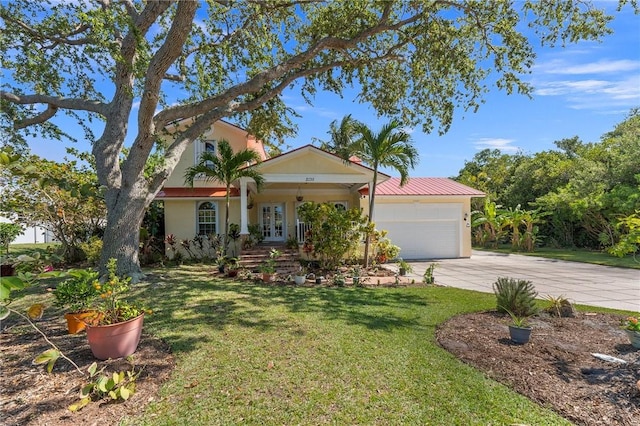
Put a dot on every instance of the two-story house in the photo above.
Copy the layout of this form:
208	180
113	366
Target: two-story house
429	218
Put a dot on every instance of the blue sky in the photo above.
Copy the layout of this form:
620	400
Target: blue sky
582	90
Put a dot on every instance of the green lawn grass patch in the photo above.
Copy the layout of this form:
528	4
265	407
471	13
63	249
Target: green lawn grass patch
251	353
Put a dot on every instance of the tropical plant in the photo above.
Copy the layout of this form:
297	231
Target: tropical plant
268	266
630	238
111	306
520	321
515	296
559	306
383	248
78	291
226	166
342	137
333	232
428	276
404	265
392	147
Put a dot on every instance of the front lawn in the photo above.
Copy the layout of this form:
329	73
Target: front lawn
252	353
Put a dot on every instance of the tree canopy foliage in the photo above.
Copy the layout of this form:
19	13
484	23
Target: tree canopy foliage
61	197
153	63
588	191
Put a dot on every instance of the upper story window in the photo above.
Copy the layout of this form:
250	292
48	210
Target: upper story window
207	218
202	146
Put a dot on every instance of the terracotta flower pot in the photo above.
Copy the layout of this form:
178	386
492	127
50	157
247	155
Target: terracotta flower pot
266	277
115	340
76	321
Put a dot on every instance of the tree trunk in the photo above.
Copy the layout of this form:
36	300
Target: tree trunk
122	239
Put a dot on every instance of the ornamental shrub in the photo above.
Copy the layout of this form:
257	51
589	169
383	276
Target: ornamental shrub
515	296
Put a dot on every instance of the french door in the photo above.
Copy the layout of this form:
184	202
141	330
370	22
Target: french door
272	221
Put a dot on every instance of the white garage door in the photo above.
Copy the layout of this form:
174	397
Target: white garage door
422	231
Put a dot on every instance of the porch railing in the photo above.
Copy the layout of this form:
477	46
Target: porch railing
303	227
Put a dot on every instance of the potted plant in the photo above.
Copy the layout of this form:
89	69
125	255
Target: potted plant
232	267
356	273
76	294
8	266
268	267
519	329
114	330
404	267
631	326
300	276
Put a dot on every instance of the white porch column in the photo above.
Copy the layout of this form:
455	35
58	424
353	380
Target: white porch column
244	230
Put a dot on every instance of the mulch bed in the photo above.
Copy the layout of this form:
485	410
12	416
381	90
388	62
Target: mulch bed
30	396
556	368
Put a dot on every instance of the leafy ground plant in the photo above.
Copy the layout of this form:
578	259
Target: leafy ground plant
114	387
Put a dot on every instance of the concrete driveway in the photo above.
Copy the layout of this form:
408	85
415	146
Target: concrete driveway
581	283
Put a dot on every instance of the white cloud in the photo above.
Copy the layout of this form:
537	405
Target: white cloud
502	144
603	66
595	94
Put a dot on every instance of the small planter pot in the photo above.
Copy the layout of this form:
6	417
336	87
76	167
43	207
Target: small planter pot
634	338
231	273
7	270
76	321
520	335
115	340
356	280
266	277
402	272
319	280
299	279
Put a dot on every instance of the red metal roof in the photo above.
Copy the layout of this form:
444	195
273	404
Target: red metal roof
177	192
423	186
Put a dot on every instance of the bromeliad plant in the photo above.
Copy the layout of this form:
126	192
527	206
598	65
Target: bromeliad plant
111	307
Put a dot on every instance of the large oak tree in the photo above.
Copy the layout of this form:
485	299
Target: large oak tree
155	62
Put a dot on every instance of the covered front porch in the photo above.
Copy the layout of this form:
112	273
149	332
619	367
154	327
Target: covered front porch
299	176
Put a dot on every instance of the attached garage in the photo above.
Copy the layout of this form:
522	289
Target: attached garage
428	218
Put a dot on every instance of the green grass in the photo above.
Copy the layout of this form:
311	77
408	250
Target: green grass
18	249
271	355
576	255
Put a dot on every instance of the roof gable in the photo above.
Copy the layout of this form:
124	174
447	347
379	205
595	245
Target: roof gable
310	159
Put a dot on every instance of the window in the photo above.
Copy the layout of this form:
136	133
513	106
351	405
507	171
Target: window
207	218
340	205
202	146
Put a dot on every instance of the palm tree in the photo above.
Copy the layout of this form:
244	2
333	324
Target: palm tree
226	166
391	147
342	137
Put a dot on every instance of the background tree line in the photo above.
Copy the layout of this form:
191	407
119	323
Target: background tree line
584	195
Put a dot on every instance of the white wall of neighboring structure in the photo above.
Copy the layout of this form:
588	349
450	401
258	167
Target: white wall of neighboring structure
32	234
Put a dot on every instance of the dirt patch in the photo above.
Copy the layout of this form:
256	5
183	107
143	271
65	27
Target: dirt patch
30	396
556	368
